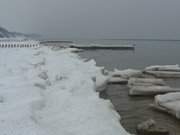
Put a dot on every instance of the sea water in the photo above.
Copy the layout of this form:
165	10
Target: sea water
135	110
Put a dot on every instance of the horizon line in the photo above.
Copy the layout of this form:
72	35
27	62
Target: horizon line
150	39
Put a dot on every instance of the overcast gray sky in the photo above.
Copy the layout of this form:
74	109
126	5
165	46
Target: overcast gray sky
93	18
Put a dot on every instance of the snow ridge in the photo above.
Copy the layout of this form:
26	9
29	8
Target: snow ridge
46	92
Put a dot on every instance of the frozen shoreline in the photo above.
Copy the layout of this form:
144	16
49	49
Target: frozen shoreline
49	92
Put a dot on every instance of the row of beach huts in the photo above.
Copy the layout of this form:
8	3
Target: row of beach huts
21	43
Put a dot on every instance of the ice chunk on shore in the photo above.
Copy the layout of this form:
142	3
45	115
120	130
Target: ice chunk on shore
101	80
163	74
117	80
145	82
164	68
169	103
151	90
127	73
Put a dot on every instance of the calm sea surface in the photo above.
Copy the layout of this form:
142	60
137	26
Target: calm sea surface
134	110
146	53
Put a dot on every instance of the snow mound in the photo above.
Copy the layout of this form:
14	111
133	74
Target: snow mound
46	92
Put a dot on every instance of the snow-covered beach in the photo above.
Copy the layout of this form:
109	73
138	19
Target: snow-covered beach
52	92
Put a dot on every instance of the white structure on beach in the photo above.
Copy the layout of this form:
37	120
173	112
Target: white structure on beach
18	43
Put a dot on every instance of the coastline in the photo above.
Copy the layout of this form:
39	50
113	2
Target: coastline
135	110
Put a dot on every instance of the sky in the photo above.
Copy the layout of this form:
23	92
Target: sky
93	18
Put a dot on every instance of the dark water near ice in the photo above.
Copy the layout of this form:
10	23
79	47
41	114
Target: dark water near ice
134	110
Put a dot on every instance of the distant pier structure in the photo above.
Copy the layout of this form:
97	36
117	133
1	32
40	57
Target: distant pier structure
18	43
59	43
71	44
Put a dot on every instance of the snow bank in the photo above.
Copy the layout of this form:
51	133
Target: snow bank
169	103
65	104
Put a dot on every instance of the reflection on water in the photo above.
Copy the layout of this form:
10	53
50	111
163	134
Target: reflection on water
135	110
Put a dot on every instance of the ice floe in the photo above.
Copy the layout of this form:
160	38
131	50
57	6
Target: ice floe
163	74
127	73
169	103
151	90
145	82
175	68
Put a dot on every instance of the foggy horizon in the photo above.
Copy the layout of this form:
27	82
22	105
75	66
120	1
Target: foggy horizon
93	19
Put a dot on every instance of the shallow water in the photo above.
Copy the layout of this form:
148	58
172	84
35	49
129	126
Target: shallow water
135	110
